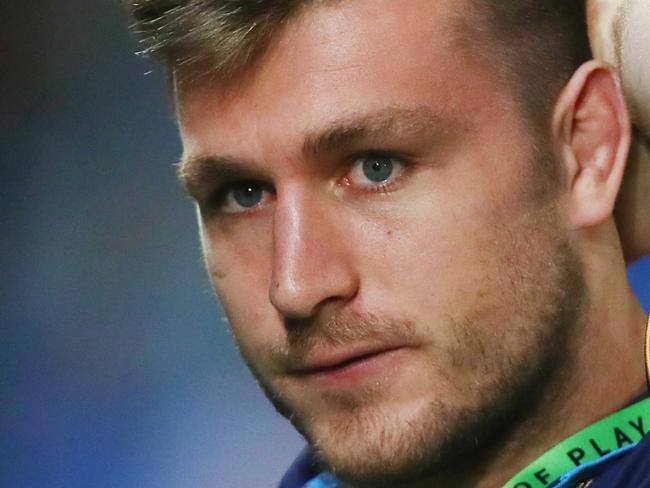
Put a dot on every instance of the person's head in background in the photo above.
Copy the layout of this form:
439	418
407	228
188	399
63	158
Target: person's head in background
618	32
406	208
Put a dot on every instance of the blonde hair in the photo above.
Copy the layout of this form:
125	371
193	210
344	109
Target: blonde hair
536	44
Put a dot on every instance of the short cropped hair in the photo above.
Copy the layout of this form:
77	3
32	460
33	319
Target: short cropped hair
535	44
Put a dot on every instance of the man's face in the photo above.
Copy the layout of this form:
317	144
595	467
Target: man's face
373	219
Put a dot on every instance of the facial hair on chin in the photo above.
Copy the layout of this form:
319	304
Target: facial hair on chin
398	449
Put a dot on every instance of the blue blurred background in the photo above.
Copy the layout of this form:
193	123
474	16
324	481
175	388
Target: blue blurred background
116	366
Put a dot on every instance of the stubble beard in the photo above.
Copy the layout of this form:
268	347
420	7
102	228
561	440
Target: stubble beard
369	444
509	352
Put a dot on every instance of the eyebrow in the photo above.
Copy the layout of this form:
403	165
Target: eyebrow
386	124
194	171
377	125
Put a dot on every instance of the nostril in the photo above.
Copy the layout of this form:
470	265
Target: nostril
298	323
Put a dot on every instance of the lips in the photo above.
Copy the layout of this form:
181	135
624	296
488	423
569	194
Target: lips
333	361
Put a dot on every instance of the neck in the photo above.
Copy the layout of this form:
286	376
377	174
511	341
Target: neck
631	215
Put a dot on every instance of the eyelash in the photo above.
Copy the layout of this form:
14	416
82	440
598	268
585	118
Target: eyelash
217	199
383	187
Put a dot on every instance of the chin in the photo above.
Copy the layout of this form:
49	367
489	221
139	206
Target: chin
386	445
374	446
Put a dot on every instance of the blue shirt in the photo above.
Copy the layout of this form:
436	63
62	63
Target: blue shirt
628	468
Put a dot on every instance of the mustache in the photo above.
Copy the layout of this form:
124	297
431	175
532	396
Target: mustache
338	329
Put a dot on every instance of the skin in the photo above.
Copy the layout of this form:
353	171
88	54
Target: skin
633	33
492	306
617	36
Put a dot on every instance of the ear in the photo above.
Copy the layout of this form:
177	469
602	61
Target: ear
592	125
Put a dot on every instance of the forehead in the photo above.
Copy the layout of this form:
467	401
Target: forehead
341	59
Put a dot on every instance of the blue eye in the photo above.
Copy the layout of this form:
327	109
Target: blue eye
378	169
242	196
247	195
375	170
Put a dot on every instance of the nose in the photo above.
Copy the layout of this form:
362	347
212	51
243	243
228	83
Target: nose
311	264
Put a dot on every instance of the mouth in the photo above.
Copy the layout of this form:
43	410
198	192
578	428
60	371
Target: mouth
341	368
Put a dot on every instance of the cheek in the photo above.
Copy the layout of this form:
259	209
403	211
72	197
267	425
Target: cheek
431	261
444	249
239	265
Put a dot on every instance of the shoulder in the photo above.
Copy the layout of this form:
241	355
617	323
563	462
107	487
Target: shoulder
630	469
301	471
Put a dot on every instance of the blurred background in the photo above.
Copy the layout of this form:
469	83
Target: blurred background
116	366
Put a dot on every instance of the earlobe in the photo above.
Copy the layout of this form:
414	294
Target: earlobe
592	125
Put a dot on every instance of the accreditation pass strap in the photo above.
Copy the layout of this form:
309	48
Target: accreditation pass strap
620	430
